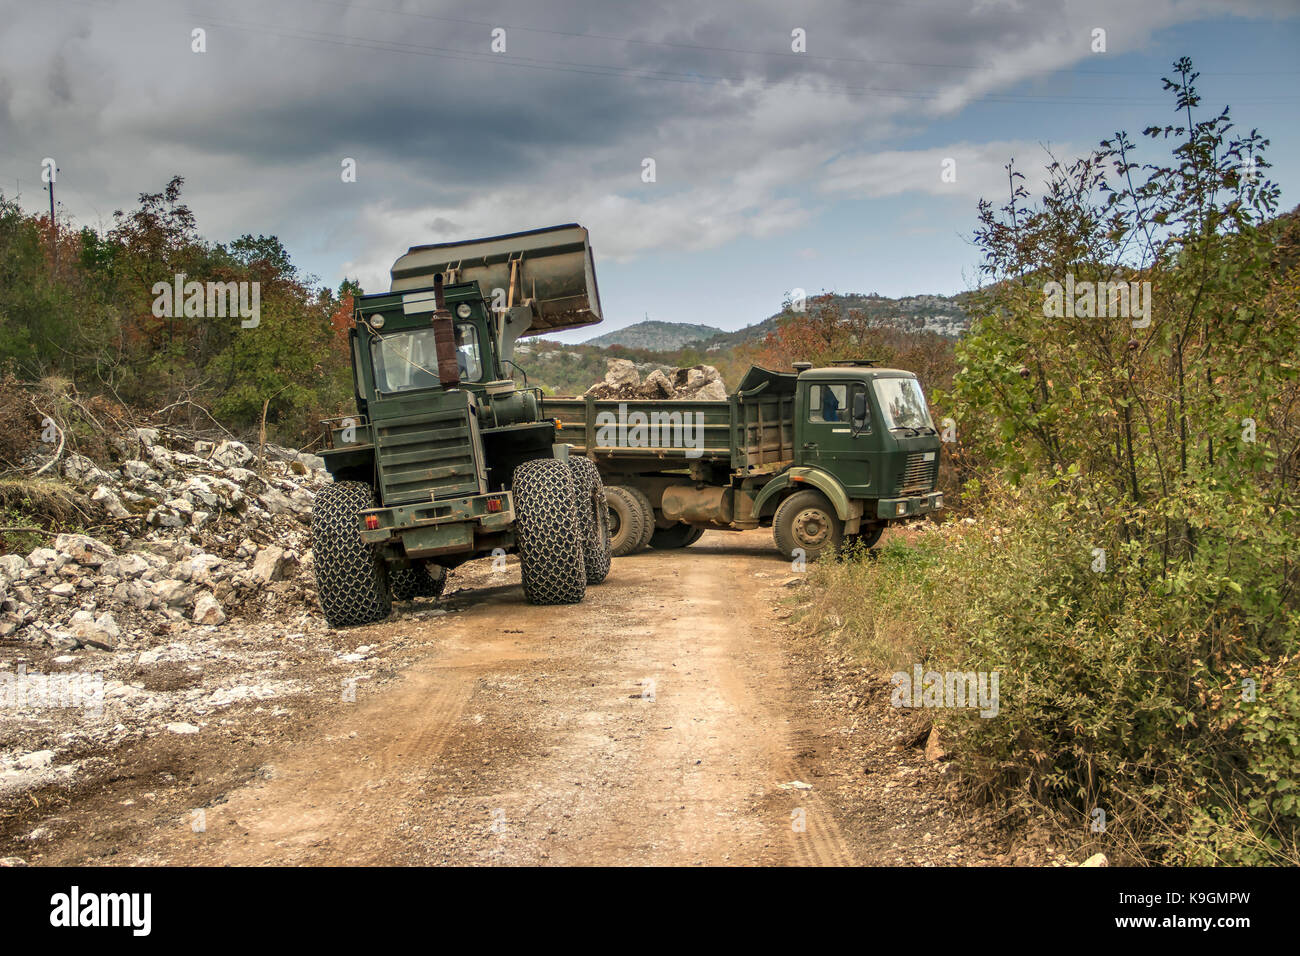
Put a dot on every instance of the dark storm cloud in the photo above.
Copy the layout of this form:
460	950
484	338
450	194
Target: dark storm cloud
450	135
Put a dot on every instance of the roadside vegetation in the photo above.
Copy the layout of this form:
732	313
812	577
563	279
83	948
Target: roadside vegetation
1130	563
77	305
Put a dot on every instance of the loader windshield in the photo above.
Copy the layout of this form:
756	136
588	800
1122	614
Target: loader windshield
409	360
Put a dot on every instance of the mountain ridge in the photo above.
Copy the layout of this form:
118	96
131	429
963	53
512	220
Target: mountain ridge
944	315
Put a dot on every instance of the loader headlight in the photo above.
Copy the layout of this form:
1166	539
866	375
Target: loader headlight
376	321
463	310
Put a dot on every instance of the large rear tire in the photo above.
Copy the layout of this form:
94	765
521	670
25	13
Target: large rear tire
678	536
351	580
549	535
807	522
593	518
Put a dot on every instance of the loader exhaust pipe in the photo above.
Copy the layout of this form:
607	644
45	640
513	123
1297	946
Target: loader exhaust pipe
444	339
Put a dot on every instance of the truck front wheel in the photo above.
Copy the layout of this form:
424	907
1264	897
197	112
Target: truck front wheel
806	525
351	580
548	532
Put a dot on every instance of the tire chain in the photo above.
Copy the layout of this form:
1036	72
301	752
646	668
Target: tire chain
549	533
414	582
593	518
351	583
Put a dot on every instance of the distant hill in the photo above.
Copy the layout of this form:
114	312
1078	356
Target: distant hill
655	336
944	315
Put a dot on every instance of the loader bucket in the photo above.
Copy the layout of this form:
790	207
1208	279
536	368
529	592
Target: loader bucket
550	269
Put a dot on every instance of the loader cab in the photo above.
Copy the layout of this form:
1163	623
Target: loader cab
394	351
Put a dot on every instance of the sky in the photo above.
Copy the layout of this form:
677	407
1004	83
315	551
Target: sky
793	146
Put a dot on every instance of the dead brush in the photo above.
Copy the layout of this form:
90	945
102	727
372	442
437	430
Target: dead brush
35	509
49	420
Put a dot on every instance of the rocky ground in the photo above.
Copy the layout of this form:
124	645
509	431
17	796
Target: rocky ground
200	532
190	604
170	694
678	716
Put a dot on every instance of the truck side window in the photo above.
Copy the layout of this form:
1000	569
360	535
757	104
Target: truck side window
826	403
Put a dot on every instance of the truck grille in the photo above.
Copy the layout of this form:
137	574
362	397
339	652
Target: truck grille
918	474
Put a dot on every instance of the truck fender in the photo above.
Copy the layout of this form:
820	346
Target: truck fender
804	478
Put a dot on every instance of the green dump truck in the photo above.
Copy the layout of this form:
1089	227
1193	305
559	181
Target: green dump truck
824	456
446	458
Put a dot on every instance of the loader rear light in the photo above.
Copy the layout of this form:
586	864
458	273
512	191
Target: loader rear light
494	504
372	522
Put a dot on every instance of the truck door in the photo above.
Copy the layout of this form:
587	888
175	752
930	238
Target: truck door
830	439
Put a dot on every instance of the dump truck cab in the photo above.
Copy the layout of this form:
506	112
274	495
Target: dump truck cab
871	429
432	461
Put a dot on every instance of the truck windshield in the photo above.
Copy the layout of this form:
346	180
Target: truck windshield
902	404
409	360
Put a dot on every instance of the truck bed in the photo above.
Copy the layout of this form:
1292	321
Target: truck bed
750	434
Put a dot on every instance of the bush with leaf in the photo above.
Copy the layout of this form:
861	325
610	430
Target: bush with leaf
1133	571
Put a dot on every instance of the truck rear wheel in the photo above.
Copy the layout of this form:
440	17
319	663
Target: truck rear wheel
415	581
647	517
806	522
631	519
678	536
351	580
549	535
593	518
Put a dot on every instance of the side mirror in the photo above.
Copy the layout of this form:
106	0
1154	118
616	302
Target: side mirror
859	410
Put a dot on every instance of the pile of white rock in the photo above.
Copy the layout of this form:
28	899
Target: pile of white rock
200	533
622	380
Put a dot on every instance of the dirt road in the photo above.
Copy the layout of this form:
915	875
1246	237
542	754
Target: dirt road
675	717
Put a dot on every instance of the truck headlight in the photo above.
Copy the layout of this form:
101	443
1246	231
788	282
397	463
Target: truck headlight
900	508
938	502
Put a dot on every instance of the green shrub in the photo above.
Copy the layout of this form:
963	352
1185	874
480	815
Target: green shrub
1119	690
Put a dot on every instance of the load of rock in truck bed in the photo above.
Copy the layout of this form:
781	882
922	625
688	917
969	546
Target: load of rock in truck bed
622	380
